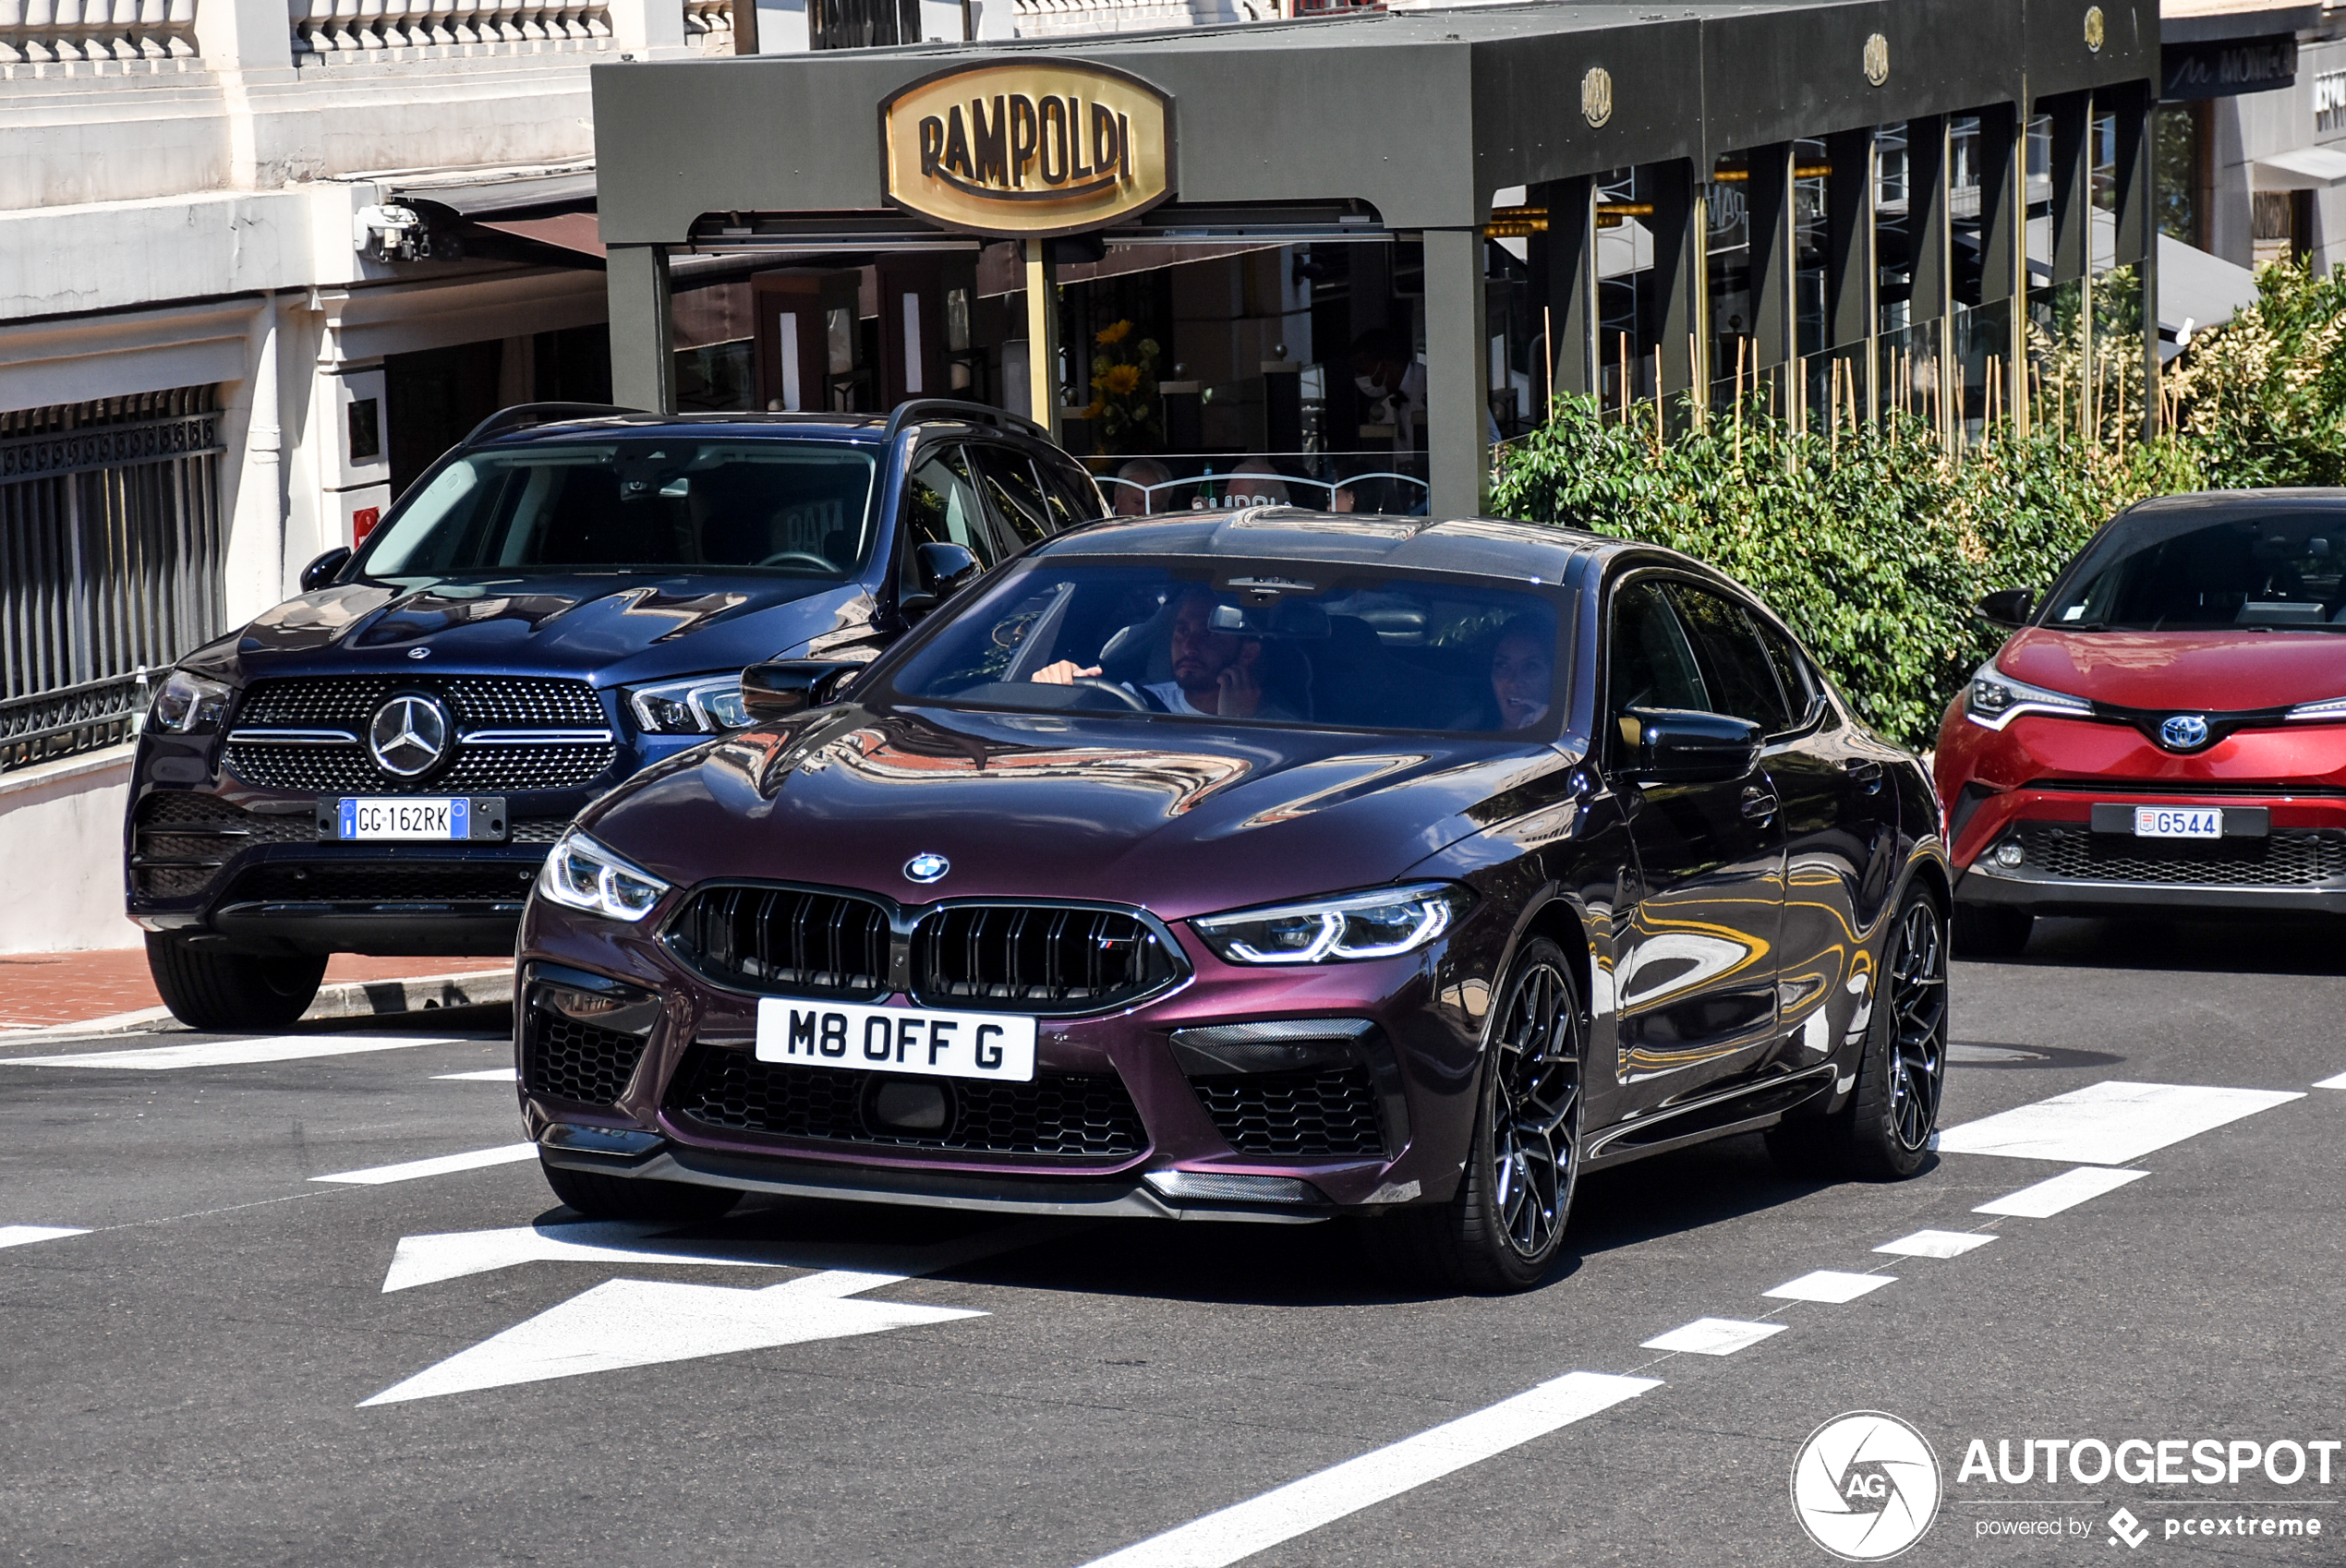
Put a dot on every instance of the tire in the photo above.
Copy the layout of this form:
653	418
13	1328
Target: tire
1503	1227
231	990
1884	1133
1991	931
600	1197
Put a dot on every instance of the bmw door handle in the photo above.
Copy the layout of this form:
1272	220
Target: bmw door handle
1865	773
1759	804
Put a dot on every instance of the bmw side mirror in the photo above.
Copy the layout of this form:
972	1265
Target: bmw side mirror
1668	745
321	572
2008	607
790	685
944	569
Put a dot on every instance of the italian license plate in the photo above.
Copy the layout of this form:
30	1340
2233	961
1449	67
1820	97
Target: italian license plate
2179	822
908	1040
404	817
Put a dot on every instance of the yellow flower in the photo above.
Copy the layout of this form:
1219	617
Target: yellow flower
1116	334
1122	379
1094	409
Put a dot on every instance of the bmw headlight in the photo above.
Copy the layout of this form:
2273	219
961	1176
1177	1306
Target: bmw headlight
585	875
1382	924
705	704
188	705
1994	699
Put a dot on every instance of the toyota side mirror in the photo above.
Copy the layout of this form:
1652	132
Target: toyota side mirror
2008	607
790	685
321	572
1668	745
944	569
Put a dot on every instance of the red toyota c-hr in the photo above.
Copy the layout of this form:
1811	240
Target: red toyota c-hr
2165	732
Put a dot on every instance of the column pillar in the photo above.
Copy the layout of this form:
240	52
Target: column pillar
643	368
1042	340
2003	241
1458	410
1930	278
1853	318
1775	256
2072	206
1676	314
1565	262
2136	109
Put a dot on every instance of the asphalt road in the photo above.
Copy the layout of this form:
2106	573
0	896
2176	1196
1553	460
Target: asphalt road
194	1376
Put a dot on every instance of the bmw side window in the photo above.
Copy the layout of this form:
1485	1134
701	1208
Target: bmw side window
1734	665
1649	661
1800	688
1073	494
1017	496
941	506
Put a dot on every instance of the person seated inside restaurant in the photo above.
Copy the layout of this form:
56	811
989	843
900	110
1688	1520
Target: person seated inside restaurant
1256	482
1141	491
1215	672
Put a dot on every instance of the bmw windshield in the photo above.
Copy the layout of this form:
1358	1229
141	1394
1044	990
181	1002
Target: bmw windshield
1286	642
2187	572
658	504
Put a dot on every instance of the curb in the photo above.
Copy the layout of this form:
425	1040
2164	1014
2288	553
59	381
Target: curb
350	999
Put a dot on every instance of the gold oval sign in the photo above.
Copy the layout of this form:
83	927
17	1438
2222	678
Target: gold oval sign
1030	148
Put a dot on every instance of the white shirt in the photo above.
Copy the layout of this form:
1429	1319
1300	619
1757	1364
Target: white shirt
1169	692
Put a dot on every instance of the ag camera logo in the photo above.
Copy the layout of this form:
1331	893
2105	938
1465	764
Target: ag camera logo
1864	1485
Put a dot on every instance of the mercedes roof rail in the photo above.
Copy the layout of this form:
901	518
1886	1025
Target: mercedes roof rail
921	408
524	414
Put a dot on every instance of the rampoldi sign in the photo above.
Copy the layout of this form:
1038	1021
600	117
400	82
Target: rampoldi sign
1031	149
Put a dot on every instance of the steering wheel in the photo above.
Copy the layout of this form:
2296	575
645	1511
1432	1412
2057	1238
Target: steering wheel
1124	697
808	556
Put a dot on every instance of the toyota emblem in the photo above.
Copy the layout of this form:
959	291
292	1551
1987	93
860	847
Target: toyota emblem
408	736
2184	732
927	867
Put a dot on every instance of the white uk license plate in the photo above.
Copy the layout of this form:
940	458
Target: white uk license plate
907	1040
404	816
2178	822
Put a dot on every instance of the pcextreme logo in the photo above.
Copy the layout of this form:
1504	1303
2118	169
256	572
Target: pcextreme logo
1864	1485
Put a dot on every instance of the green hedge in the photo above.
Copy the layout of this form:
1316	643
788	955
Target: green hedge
1875	547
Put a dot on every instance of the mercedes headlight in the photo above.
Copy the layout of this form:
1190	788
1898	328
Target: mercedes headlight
704	704
582	875
188	705
1382	924
1994	699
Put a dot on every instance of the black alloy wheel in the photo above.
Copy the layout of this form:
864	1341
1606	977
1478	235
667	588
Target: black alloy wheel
1505	1226
1884	1133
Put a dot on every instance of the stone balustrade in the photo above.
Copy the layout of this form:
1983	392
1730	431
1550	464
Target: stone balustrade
347	32
708	26
96	37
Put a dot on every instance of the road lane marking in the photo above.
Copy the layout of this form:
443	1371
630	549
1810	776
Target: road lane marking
639	1322
427	1259
506	1154
24	1235
1936	1243
1713	1336
2053	1194
1300	1507
2338	1082
230	1052
1830	1285
2109	1124
487	1075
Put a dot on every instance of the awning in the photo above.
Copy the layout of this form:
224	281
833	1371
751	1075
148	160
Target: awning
483	210
2196	291
2302	168
580	232
485	195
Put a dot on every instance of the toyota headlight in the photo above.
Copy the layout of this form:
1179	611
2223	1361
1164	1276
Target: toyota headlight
582	875
705	704
1994	699
1382	924
188	705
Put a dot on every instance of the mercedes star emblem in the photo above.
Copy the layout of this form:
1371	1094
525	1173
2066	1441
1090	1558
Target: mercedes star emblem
2184	732
409	735
927	867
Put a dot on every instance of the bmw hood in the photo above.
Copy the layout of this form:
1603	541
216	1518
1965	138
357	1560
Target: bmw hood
606	628
2187	671
1183	819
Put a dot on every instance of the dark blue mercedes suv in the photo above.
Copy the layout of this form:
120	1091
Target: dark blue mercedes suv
569	596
